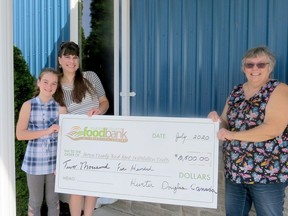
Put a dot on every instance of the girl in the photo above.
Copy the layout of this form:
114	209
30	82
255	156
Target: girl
38	119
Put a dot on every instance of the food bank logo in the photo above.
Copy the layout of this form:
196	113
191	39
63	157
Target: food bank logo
103	134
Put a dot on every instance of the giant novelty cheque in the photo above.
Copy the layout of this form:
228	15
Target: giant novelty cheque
150	159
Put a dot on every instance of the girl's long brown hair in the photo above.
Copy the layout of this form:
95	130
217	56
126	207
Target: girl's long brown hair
81	85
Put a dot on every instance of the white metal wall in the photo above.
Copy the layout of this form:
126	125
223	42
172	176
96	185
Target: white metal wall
7	144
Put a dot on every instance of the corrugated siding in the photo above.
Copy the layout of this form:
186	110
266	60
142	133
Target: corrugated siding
39	26
186	54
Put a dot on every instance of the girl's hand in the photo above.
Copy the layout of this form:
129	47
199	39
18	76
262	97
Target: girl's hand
53	128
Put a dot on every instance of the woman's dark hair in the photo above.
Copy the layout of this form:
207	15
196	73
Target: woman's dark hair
42	73
81	85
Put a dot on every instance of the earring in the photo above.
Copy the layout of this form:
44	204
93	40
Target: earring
60	66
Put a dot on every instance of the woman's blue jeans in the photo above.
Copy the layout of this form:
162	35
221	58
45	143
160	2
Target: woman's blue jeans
268	199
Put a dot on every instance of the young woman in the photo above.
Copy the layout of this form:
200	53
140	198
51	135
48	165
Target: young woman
81	93
38	123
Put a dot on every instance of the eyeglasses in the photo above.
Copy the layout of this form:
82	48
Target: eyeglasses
258	65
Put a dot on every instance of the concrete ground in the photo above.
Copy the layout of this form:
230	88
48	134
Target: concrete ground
108	210
105	210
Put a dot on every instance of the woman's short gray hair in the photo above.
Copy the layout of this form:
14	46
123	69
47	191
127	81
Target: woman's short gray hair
260	51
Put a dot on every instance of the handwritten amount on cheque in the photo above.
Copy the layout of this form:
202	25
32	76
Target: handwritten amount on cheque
134	168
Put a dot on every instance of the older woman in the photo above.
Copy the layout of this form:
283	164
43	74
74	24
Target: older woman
255	144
